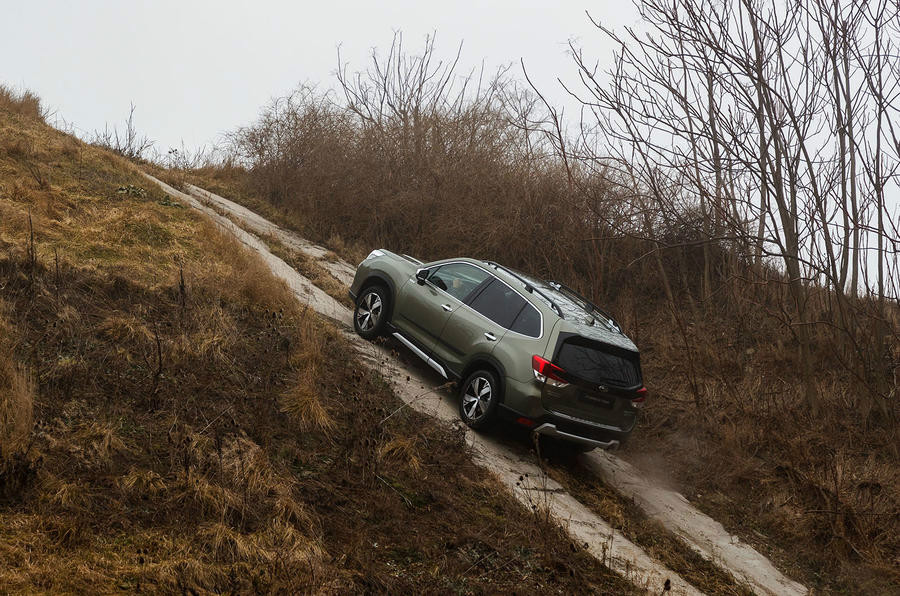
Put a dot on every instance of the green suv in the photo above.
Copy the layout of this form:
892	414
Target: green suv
534	352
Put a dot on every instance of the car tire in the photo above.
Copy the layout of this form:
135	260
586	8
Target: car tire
479	395
370	315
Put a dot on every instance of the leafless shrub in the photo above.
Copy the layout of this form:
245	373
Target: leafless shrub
39	176
129	143
185	159
413	152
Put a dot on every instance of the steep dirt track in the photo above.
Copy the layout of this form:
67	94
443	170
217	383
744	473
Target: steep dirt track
696	529
672	510
340	270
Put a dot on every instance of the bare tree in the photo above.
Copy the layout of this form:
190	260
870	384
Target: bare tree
770	121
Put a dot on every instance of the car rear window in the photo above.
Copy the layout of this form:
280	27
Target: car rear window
596	363
528	322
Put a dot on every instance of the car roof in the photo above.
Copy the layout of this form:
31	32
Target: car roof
575	317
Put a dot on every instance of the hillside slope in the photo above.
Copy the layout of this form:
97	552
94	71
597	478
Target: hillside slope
171	420
772	392
499	450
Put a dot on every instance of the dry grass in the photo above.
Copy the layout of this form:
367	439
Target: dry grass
16	417
22	103
17	392
196	431
301	401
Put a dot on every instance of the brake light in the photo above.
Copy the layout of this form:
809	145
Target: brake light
547	372
638	399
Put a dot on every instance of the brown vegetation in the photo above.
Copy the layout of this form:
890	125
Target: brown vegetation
416	161
23	103
16	417
194	430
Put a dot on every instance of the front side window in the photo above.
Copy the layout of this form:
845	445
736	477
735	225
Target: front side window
458	279
499	302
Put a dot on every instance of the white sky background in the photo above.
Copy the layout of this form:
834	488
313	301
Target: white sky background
196	69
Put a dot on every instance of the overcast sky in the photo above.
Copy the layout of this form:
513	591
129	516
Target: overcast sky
195	69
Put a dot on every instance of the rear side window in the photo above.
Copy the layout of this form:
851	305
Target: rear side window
596	364
499	302
528	322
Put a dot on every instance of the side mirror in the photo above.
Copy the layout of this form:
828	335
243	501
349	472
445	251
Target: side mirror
421	275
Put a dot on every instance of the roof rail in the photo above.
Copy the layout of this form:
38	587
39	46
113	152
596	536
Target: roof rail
529	287
564	288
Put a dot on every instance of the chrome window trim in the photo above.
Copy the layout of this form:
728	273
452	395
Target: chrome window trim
490	274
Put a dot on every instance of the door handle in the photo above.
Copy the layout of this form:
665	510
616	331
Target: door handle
447	307
490	336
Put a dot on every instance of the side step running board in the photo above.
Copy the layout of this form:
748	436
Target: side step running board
429	361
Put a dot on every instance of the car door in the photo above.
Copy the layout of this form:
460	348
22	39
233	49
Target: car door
422	310
478	327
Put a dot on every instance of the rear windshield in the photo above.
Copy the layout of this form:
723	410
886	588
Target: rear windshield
599	364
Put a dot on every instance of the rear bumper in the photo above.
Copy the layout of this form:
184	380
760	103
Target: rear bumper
522	405
550	430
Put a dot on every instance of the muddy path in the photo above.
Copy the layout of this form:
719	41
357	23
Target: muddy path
518	472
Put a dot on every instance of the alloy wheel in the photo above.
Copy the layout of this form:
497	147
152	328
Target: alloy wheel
369	311
477	398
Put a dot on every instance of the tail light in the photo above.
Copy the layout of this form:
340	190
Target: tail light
547	372
638	400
